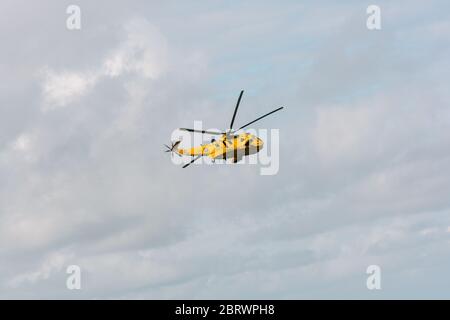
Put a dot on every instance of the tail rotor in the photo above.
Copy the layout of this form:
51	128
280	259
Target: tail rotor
168	149
173	148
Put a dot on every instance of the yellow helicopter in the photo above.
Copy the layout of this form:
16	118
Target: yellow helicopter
229	144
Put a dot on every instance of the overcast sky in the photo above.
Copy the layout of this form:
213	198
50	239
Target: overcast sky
364	173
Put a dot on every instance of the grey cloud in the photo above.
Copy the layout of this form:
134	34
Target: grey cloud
364	166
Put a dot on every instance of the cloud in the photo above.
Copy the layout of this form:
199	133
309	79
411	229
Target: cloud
143	52
364	166
342	131
60	89
53	263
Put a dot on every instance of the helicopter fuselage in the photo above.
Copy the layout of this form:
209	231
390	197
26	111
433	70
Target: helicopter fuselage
227	147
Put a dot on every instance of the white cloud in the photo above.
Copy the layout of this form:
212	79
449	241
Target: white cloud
55	262
22	143
62	88
143	52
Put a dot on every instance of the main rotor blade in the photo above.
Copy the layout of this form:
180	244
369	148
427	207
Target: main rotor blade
203	131
260	118
235	110
192	161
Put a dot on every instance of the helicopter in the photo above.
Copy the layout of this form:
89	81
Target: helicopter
228	145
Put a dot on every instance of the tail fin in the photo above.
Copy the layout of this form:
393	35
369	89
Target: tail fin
173	148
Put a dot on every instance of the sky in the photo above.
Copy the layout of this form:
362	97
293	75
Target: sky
364	173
